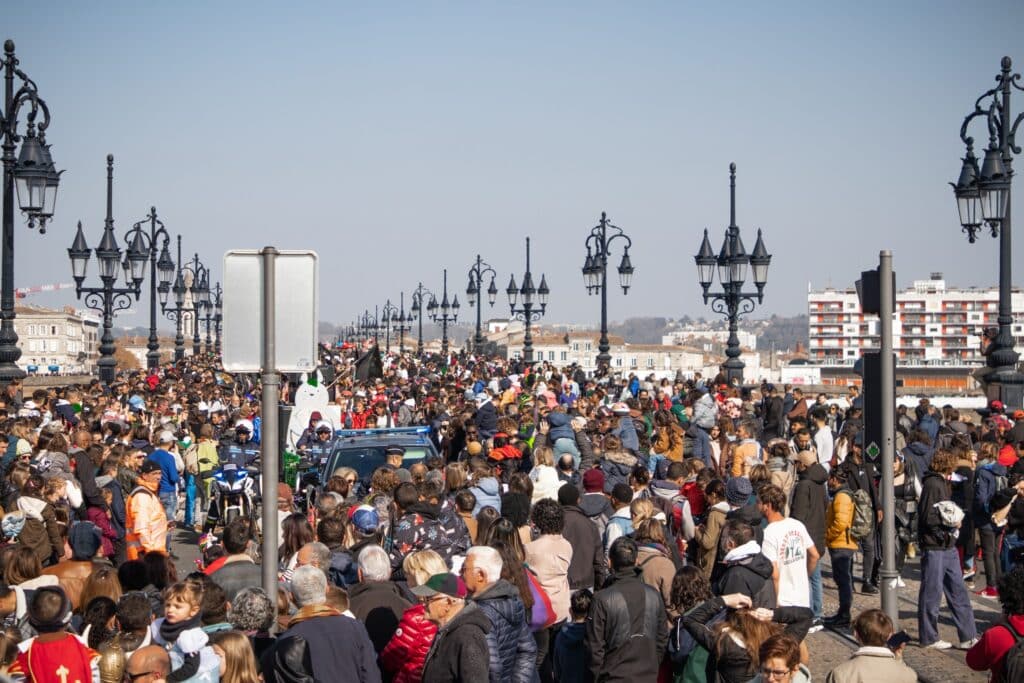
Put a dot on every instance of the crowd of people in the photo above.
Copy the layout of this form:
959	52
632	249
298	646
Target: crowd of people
569	528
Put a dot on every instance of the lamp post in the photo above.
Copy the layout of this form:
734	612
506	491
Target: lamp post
208	342
420	302
983	198
108	299
164	267
388	313
34	176
404	320
527	303
444	312
368	324
476	277
595	276
200	287
218	316
178	309
732	262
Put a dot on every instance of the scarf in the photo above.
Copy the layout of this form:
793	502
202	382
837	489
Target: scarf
311	612
170	632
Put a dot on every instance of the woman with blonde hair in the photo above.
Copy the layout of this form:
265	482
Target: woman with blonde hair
237	662
403	657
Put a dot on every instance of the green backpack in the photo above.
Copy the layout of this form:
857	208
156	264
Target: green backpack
695	669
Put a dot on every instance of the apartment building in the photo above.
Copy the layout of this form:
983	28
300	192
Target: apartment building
933	325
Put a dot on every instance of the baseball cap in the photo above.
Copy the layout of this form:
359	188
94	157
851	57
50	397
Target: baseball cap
149	465
166	436
315	415
441	584
365	518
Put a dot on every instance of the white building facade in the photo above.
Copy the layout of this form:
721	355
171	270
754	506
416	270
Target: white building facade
64	338
581	348
706	337
933	325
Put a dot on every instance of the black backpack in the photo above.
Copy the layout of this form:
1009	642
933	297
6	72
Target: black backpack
1013	662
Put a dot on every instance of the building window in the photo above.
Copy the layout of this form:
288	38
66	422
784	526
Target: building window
587	347
53	330
618	362
53	344
564	356
650	361
551	355
575	346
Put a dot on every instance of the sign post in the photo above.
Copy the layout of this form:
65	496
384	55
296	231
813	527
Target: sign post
887	420
255	342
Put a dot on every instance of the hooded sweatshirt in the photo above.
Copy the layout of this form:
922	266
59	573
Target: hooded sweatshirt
809	503
487	492
749	572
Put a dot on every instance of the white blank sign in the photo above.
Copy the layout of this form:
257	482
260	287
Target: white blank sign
296	303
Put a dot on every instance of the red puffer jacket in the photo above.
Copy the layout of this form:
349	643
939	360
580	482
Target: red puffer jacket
405	653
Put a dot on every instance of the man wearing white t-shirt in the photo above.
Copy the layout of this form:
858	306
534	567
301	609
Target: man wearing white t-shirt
823	442
789	548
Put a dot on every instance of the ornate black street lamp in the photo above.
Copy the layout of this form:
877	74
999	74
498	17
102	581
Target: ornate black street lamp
218	316
732	262
164	267
473	290
209	306
983	197
35	178
421	298
108	299
200	288
388	314
444	312
529	299
177	310
404	323
369	325
595	276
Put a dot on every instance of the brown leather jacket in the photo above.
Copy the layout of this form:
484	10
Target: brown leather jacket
72	574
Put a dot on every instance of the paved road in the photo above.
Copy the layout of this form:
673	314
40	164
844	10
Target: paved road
827	648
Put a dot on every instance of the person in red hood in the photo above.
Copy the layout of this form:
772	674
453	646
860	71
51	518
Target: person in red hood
152	381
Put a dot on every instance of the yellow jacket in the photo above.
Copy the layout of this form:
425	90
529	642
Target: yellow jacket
838	520
145	523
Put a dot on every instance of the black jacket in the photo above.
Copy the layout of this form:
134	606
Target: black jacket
379	605
459	651
930	531
587	568
308	653
810	503
862	477
627	630
748	576
773	415
727	661
513	651
486	420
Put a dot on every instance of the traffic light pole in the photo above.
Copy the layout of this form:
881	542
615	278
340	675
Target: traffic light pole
888	573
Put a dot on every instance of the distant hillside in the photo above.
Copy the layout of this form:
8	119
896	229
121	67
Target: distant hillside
784	332
640	330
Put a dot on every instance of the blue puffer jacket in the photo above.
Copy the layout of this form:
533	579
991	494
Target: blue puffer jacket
560	428
512	647
626	431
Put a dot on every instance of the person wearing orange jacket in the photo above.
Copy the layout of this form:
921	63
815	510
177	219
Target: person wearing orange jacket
145	519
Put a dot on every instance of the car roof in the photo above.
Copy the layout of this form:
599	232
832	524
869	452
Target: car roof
401	436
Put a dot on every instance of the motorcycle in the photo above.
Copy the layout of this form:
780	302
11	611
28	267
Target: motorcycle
234	491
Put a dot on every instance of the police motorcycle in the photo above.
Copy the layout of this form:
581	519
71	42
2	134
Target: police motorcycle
313	456
235	485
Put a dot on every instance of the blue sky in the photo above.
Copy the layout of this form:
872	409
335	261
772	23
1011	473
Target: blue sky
397	139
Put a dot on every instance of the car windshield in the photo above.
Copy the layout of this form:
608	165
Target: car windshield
365	460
